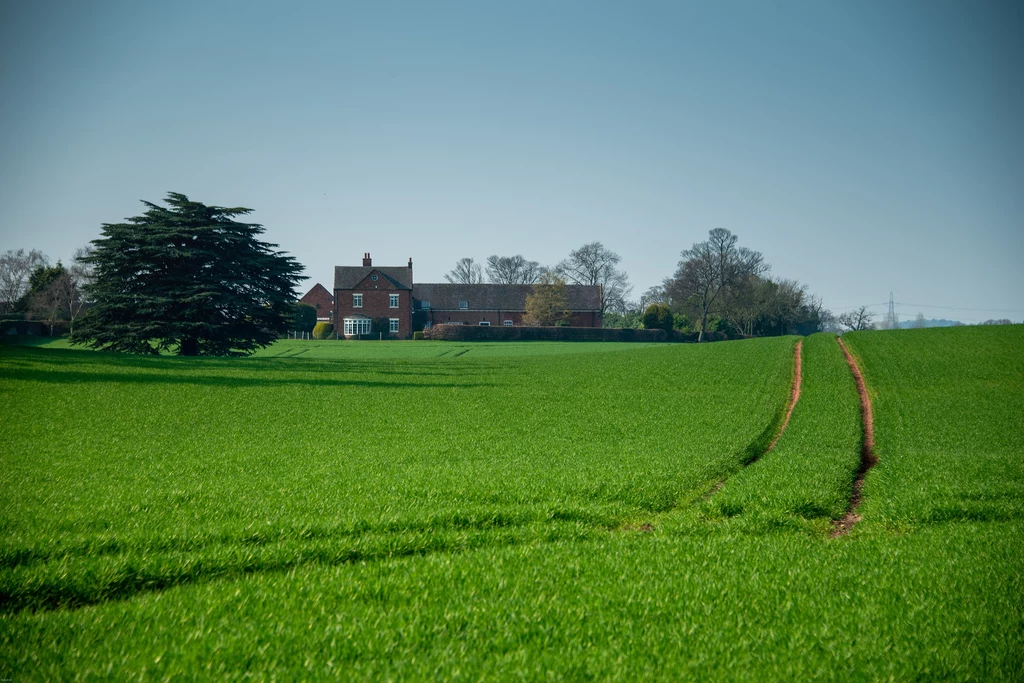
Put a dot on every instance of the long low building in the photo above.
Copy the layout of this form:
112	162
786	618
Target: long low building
367	292
490	304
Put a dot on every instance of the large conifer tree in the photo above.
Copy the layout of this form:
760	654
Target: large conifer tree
187	278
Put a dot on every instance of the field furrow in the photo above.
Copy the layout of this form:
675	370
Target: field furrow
809	473
948	409
867	448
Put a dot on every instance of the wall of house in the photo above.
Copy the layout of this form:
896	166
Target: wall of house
376	304
322	301
496	318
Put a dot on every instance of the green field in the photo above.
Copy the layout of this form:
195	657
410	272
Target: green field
536	510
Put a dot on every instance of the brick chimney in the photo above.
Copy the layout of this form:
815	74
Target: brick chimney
410	270
366	259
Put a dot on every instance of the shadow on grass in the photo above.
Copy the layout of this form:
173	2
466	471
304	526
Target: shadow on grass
73	377
120	575
75	367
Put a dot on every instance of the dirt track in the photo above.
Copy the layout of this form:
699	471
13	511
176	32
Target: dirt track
867	451
794	394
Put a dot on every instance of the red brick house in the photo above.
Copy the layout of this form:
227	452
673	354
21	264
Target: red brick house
320	299
368	292
362	293
496	305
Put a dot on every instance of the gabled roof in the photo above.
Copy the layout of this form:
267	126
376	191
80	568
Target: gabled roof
316	289
347	277
491	297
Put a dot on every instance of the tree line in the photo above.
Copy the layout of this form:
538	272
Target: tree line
30	288
718	286
189	278
721	286
591	264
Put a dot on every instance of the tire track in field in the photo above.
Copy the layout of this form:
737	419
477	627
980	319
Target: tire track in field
868	459
794	396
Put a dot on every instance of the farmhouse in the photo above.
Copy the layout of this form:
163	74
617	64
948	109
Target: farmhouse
367	292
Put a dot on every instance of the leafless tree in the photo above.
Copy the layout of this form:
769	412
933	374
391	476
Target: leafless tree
53	304
709	268
466	272
857	319
15	269
513	270
828	321
653	295
593	264
919	322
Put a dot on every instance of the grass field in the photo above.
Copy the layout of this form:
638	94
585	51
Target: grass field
539	510
809	474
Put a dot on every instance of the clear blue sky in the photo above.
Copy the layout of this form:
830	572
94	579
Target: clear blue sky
862	146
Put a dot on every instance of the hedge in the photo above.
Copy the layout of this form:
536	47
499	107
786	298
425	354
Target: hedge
484	333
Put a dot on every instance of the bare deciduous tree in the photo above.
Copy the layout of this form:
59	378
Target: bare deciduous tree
466	272
53	303
709	268
653	295
857	319
15	269
513	270
593	264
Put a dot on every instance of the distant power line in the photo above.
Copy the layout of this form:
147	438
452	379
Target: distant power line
950	308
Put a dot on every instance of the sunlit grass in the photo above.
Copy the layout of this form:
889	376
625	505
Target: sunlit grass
381	510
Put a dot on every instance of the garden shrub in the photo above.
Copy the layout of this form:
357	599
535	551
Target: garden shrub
323	330
658	317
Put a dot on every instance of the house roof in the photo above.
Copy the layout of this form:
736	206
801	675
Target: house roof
347	277
491	297
316	289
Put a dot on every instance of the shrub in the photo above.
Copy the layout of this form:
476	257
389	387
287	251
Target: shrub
658	317
303	317
681	322
323	330
416	336
554	333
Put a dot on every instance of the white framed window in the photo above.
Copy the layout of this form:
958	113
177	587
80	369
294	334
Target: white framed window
356	326
463	305
357	301
485	323
393	300
507	323
373	277
393	327
424	305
